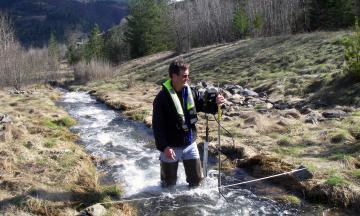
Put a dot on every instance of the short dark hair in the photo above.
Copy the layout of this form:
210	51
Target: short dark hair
177	66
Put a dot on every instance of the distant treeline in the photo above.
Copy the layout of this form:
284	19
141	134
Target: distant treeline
157	25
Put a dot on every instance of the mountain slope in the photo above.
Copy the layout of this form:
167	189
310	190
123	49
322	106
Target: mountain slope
35	20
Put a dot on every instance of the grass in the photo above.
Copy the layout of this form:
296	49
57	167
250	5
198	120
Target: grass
50	143
289	151
59	123
284	141
290	199
335	180
67	160
140	115
356	173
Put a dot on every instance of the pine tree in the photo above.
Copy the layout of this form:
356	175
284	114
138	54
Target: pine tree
54	53
94	49
148	30
352	51
240	22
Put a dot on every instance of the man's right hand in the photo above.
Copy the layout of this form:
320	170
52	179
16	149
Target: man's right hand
169	153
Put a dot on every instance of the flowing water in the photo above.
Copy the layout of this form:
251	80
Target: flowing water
132	161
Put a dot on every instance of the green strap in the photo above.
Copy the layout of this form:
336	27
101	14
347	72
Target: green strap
190	100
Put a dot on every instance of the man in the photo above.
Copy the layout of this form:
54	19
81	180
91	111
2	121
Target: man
174	118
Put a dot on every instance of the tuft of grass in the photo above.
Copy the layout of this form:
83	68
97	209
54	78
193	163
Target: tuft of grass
59	123
335	180
68	160
65	122
284	141
140	115
356	173
289	199
50	143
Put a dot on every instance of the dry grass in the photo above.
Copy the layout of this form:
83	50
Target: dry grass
43	171
93	70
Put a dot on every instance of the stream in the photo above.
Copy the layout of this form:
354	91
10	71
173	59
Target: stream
133	162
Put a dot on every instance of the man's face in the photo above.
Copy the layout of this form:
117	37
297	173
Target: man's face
180	80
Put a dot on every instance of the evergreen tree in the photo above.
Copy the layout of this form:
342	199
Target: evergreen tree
352	51
54	53
148	30
240	22
95	46
331	14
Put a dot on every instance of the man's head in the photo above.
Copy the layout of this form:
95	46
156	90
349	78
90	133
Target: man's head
179	73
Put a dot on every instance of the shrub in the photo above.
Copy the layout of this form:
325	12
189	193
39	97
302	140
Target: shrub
352	51
94	70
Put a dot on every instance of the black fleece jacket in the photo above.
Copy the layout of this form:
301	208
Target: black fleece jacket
165	120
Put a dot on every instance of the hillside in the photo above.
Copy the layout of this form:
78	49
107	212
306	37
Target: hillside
35	20
307	111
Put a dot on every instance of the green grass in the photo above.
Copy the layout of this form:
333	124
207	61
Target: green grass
67	161
284	141
65	122
335	180
140	115
289	151
356	173
291	199
59	124
50	143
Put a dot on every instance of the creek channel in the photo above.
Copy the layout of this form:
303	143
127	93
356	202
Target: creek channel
133	162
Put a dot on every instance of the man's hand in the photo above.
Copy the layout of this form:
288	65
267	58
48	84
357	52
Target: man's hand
220	100
169	153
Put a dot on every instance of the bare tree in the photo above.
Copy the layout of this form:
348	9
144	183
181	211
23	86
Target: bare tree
201	22
18	66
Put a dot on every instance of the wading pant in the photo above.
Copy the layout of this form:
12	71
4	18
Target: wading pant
192	164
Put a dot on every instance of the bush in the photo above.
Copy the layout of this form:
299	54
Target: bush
94	70
352	51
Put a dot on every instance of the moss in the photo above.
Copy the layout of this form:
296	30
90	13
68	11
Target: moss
289	199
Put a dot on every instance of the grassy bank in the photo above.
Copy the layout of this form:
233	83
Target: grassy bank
43	170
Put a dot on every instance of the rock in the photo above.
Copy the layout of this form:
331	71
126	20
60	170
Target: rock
269	105
333	114
94	210
233	114
233	89
293	113
250	93
227	118
305	110
313	118
263	111
226	94
6	133
5	119
320	103
281	105
237	99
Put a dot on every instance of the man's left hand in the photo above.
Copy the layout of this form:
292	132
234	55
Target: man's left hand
220	100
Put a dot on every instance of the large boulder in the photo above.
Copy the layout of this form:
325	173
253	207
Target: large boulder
333	114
